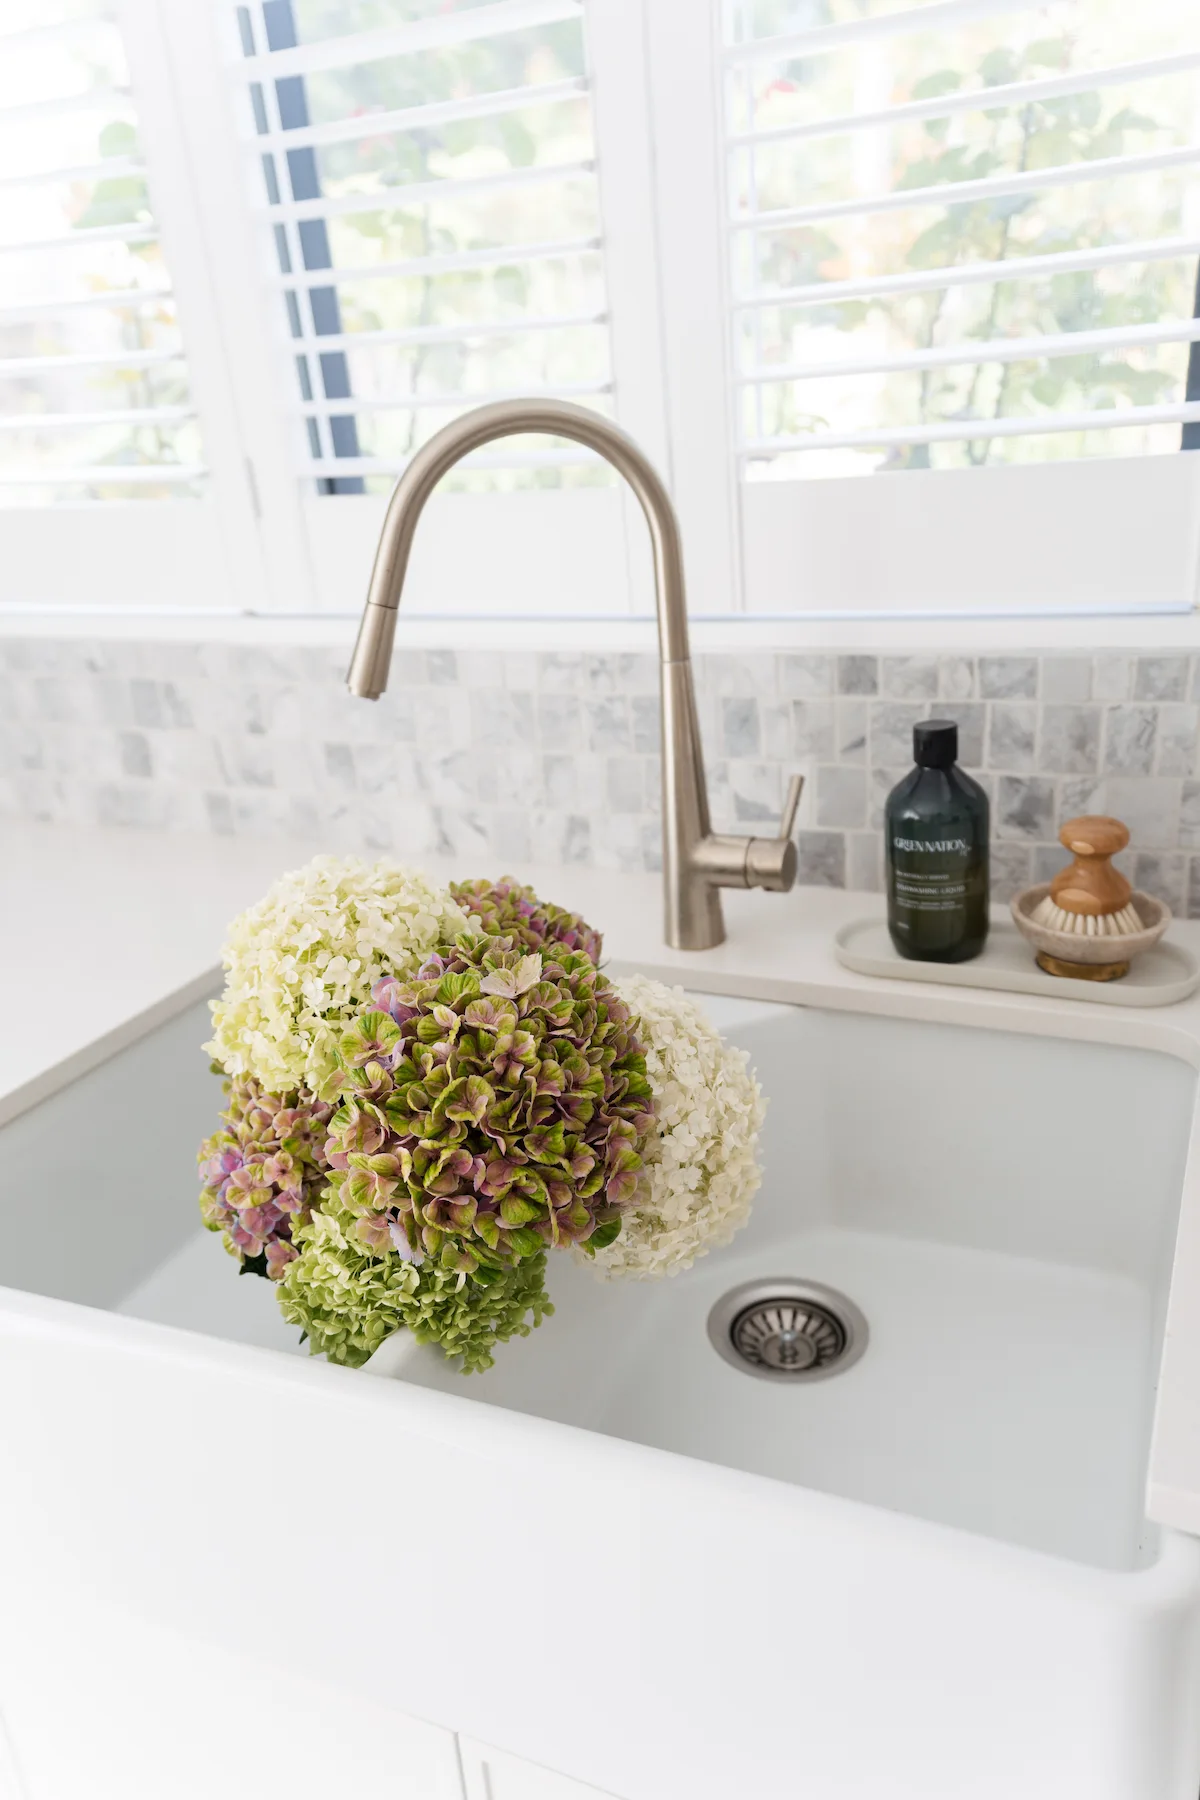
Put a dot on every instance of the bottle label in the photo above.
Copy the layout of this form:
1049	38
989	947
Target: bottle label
934	845
934	875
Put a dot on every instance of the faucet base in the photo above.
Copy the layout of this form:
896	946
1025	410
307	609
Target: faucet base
696	920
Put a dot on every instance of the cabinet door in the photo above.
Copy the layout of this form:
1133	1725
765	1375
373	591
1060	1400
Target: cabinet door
111	1709
11	1786
495	1775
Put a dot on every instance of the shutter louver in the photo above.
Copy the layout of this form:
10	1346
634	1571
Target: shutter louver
430	188
961	234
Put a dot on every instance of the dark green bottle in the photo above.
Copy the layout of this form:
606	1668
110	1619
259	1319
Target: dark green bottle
936	821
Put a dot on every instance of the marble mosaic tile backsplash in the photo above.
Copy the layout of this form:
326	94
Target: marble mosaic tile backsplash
502	757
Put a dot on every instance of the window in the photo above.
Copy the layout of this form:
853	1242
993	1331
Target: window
95	397
901	296
995	260
98	423
426	176
431	188
964	239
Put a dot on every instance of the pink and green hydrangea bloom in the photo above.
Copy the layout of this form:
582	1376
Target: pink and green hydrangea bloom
494	1105
506	909
263	1172
491	1105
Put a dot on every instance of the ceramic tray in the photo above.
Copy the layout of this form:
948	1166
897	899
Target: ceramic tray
1159	976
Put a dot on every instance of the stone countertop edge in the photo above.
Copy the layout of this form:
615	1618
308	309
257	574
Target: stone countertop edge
108	933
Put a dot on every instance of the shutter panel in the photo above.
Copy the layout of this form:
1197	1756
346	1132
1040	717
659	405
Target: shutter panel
94	397
427	196
106	499
433	252
964	237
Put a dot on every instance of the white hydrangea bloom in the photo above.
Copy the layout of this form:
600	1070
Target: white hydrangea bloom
702	1170
308	955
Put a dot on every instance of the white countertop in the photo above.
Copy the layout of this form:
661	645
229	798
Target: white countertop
106	933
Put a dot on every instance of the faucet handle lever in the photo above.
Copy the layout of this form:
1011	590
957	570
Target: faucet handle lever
791	806
771	862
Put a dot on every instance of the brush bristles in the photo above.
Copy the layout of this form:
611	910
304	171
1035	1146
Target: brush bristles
1125	923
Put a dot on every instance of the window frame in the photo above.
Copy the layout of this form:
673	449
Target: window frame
118	557
901	548
780	562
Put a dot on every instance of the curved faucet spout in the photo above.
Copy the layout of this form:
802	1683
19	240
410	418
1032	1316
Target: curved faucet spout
508	418
696	864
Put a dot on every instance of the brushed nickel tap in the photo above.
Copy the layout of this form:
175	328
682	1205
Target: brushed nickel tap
697	862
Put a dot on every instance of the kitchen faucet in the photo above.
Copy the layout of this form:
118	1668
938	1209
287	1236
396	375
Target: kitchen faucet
697	862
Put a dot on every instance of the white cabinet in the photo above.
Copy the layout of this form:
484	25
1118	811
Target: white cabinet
10	1781
495	1775
112	1709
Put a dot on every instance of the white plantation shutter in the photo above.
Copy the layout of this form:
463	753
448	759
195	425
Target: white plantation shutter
901	299
963	238
106	496
433	253
425	189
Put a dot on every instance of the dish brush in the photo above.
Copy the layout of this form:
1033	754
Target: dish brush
1089	898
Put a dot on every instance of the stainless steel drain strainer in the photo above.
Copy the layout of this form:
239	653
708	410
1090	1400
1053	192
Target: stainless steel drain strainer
782	1329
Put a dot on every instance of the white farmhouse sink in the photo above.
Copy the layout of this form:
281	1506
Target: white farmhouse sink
927	1577
1001	1208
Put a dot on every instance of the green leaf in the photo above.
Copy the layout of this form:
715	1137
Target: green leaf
604	1235
1047	149
1048	53
1129	120
518	141
942	81
123	200
998	67
119	138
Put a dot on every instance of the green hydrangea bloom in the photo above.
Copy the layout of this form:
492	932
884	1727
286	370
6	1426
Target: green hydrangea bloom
348	1299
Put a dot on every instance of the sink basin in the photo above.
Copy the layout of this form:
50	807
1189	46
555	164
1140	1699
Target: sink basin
926	1576
987	1203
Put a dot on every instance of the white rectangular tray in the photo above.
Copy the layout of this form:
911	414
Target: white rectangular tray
1158	977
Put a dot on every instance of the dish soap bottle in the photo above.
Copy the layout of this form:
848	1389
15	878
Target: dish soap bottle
937	853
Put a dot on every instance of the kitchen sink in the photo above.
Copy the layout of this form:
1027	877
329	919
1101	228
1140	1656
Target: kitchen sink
926	1575
1002	1211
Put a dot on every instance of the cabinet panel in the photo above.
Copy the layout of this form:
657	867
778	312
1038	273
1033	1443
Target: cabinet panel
495	1775
111	1709
11	1787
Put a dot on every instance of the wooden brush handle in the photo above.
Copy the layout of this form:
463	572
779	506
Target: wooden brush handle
1090	884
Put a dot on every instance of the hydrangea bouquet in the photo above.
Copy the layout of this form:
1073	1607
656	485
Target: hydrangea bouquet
430	1090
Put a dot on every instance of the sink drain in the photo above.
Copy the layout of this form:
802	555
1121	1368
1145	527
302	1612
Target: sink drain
786	1330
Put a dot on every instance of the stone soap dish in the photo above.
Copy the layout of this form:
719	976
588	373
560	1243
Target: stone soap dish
1164	973
1081	957
1088	924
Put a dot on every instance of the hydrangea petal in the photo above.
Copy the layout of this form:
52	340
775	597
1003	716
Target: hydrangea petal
700	1169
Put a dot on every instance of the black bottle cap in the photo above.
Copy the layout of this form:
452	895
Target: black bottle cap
935	743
